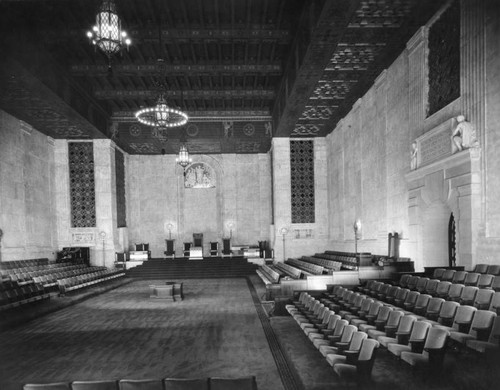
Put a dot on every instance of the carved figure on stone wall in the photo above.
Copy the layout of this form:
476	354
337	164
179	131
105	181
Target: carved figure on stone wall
228	128
464	135
414	156
113	128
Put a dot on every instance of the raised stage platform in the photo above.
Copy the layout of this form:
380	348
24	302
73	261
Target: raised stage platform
184	268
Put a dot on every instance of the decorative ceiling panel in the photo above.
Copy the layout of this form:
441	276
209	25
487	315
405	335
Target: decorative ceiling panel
244	71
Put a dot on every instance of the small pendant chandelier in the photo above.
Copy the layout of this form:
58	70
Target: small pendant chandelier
107	34
183	159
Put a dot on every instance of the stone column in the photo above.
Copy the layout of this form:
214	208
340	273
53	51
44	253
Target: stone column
473	107
62	194
105	199
282	194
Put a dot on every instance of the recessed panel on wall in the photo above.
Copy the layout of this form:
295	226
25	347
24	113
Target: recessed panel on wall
82	184
121	207
302	181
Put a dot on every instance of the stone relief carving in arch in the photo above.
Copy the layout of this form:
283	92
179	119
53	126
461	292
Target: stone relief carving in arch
200	175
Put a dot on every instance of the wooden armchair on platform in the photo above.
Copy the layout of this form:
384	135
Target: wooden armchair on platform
214	248
187	249
226	246
170	252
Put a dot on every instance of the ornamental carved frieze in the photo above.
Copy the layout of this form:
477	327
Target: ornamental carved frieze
317	112
332	89
143	148
306	129
355	56
381	13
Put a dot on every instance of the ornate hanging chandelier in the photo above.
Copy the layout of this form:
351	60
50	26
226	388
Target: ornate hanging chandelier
107	34
161	115
183	159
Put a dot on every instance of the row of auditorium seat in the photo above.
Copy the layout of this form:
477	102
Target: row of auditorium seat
336	323
437	287
479	329
305	267
88	279
23	263
330	265
466	295
16	296
347	349
493	269
213	383
51	274
469	278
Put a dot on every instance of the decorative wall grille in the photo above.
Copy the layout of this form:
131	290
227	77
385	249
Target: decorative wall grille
82	184
444	59
121	205
302	181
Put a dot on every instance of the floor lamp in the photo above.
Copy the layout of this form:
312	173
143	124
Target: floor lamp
102	235
283	232
357	228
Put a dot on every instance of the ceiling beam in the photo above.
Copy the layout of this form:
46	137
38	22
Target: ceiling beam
106	94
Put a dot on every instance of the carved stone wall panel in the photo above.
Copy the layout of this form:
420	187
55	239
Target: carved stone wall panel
82	184
302	181
444	59
121	205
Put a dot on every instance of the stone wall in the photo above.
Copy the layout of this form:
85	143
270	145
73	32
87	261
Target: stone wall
369	154
157	198
27	216
305	238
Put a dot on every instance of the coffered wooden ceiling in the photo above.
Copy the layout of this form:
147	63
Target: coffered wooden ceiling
262	68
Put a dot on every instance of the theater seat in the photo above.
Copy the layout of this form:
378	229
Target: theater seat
431	287
438	273
416	341
459	277
443	289
485	281
390	326
483	299
479	330
47	386
455	292
448	275
185	384
433	308
494	269
472	279
446	314
462	320
433	353
340	355
491	344
468	295
402	334
344	341
481	268
243	383
94	385
361	370
140	384
379	322
495	303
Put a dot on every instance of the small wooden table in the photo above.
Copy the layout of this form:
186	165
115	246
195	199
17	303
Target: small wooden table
162	291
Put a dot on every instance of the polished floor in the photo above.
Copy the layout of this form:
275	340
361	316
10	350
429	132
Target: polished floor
221	328
214	331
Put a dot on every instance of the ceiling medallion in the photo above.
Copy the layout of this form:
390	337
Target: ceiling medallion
249	129
161	115
135	130
192	130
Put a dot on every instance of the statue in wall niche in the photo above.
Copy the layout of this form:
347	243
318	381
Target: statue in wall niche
113	128
464	135
414	155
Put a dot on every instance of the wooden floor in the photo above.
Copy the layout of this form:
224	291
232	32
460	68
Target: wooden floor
214	331
218	330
